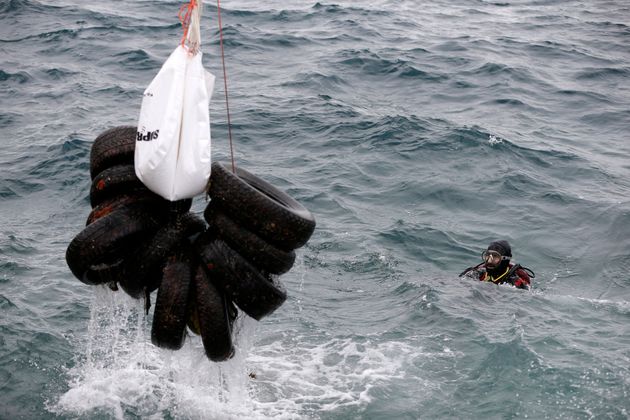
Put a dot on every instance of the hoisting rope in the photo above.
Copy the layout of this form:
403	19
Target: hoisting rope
185	15
225	87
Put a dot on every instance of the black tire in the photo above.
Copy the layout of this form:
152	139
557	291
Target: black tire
193	316
108	272
116	180
100	247
113	203
254	293
264	209
171	305
143	271
122	180
115	146
212	316
256	250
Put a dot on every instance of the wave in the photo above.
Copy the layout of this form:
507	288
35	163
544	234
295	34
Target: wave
18	7
33	172
603	73
19	77
370	63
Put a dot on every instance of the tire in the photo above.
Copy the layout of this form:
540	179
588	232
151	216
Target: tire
100	247
115	146
143	271
254	293
171	305
193	316
256	250
122	180
212	317
108	272
116	180
109	205
264	209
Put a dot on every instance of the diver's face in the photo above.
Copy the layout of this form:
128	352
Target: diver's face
492	259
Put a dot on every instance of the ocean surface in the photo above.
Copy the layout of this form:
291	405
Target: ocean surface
415	132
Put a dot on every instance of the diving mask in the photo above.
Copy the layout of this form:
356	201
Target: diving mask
493	258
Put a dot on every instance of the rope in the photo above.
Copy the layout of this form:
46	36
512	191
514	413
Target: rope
225	86
184	14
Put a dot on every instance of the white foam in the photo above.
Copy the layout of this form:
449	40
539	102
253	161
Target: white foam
337	373
120	371
492	140
295	373
621	306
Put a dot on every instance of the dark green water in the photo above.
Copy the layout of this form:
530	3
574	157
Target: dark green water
415	133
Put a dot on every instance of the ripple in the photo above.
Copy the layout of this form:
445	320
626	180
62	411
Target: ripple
20	77
136	59
605	73
59	74
6	304
372	64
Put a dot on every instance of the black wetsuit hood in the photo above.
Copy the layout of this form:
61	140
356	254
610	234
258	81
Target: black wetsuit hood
503	248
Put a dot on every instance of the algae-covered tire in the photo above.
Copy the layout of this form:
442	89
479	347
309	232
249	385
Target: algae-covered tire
115	180
256	250
213	318
122	180
176	207
108	272
113	203
171	305
258	205
115	146
254	293
143	271
193	317
106	241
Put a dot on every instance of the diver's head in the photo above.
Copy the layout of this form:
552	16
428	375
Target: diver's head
497	255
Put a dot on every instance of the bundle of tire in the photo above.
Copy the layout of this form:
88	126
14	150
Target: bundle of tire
201	269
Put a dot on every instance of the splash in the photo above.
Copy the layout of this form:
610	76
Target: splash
335	375
119	373
493	140
288	373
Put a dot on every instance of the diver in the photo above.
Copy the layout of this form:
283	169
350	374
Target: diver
497	268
